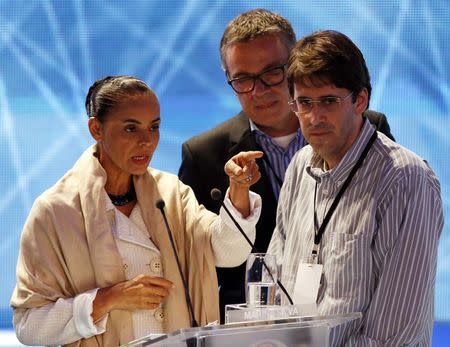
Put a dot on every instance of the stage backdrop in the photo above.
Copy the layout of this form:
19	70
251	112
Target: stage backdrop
52	50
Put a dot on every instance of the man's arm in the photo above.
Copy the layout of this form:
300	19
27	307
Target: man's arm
186	173
411	220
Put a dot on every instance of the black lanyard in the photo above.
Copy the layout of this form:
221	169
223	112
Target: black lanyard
318	231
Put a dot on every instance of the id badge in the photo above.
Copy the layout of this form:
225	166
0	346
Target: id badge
307	283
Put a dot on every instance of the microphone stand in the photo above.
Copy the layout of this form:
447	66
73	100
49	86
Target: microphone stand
160	204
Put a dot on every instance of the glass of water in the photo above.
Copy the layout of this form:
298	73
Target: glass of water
260	279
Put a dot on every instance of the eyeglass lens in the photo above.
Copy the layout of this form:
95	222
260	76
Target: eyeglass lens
269	78
327	104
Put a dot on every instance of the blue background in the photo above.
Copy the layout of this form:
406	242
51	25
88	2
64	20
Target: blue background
52	51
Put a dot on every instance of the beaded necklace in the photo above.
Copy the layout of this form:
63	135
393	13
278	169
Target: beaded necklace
124	199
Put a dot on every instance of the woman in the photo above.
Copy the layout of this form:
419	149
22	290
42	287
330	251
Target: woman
96	267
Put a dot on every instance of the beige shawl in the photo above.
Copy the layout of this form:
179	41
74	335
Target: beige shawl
67	247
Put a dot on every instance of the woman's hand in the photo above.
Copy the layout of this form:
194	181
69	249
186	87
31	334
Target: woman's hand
141	292
243	172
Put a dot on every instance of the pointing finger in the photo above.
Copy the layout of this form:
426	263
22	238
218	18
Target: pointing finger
250	155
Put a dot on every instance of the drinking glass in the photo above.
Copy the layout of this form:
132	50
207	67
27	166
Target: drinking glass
260	279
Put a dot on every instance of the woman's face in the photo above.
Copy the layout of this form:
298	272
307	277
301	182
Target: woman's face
128	136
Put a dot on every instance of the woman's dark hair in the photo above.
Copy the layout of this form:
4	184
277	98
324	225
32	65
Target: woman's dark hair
110	91
329	57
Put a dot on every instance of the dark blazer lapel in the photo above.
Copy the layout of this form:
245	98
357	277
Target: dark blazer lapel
246	142
241	138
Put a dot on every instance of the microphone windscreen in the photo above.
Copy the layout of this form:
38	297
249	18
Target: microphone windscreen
216	194
160	204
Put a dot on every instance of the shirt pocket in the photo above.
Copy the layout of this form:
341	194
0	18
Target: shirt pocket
349	266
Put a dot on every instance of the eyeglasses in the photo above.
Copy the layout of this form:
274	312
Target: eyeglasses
270	77
303	105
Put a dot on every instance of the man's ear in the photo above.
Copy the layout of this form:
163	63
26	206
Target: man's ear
362	101
95	128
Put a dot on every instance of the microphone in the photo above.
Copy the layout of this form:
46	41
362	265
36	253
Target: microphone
160	204
216	195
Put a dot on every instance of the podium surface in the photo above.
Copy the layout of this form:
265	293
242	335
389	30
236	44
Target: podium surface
278	332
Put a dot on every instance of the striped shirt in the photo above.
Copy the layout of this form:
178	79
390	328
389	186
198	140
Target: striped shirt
379	249
278	158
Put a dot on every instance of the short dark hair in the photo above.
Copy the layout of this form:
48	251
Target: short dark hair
110	91
256	23
331	57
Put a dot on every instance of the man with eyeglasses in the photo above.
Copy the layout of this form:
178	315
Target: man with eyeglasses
254	51
359	216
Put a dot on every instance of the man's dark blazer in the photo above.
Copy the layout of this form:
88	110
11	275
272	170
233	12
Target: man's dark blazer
202	168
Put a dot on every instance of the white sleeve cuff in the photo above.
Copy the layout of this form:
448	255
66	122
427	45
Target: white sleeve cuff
251	220
82	310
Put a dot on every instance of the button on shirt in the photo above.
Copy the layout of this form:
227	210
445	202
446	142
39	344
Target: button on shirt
379	249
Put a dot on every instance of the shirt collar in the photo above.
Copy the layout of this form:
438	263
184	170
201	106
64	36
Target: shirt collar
254	128
108	202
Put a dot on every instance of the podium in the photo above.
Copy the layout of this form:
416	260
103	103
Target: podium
282	327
